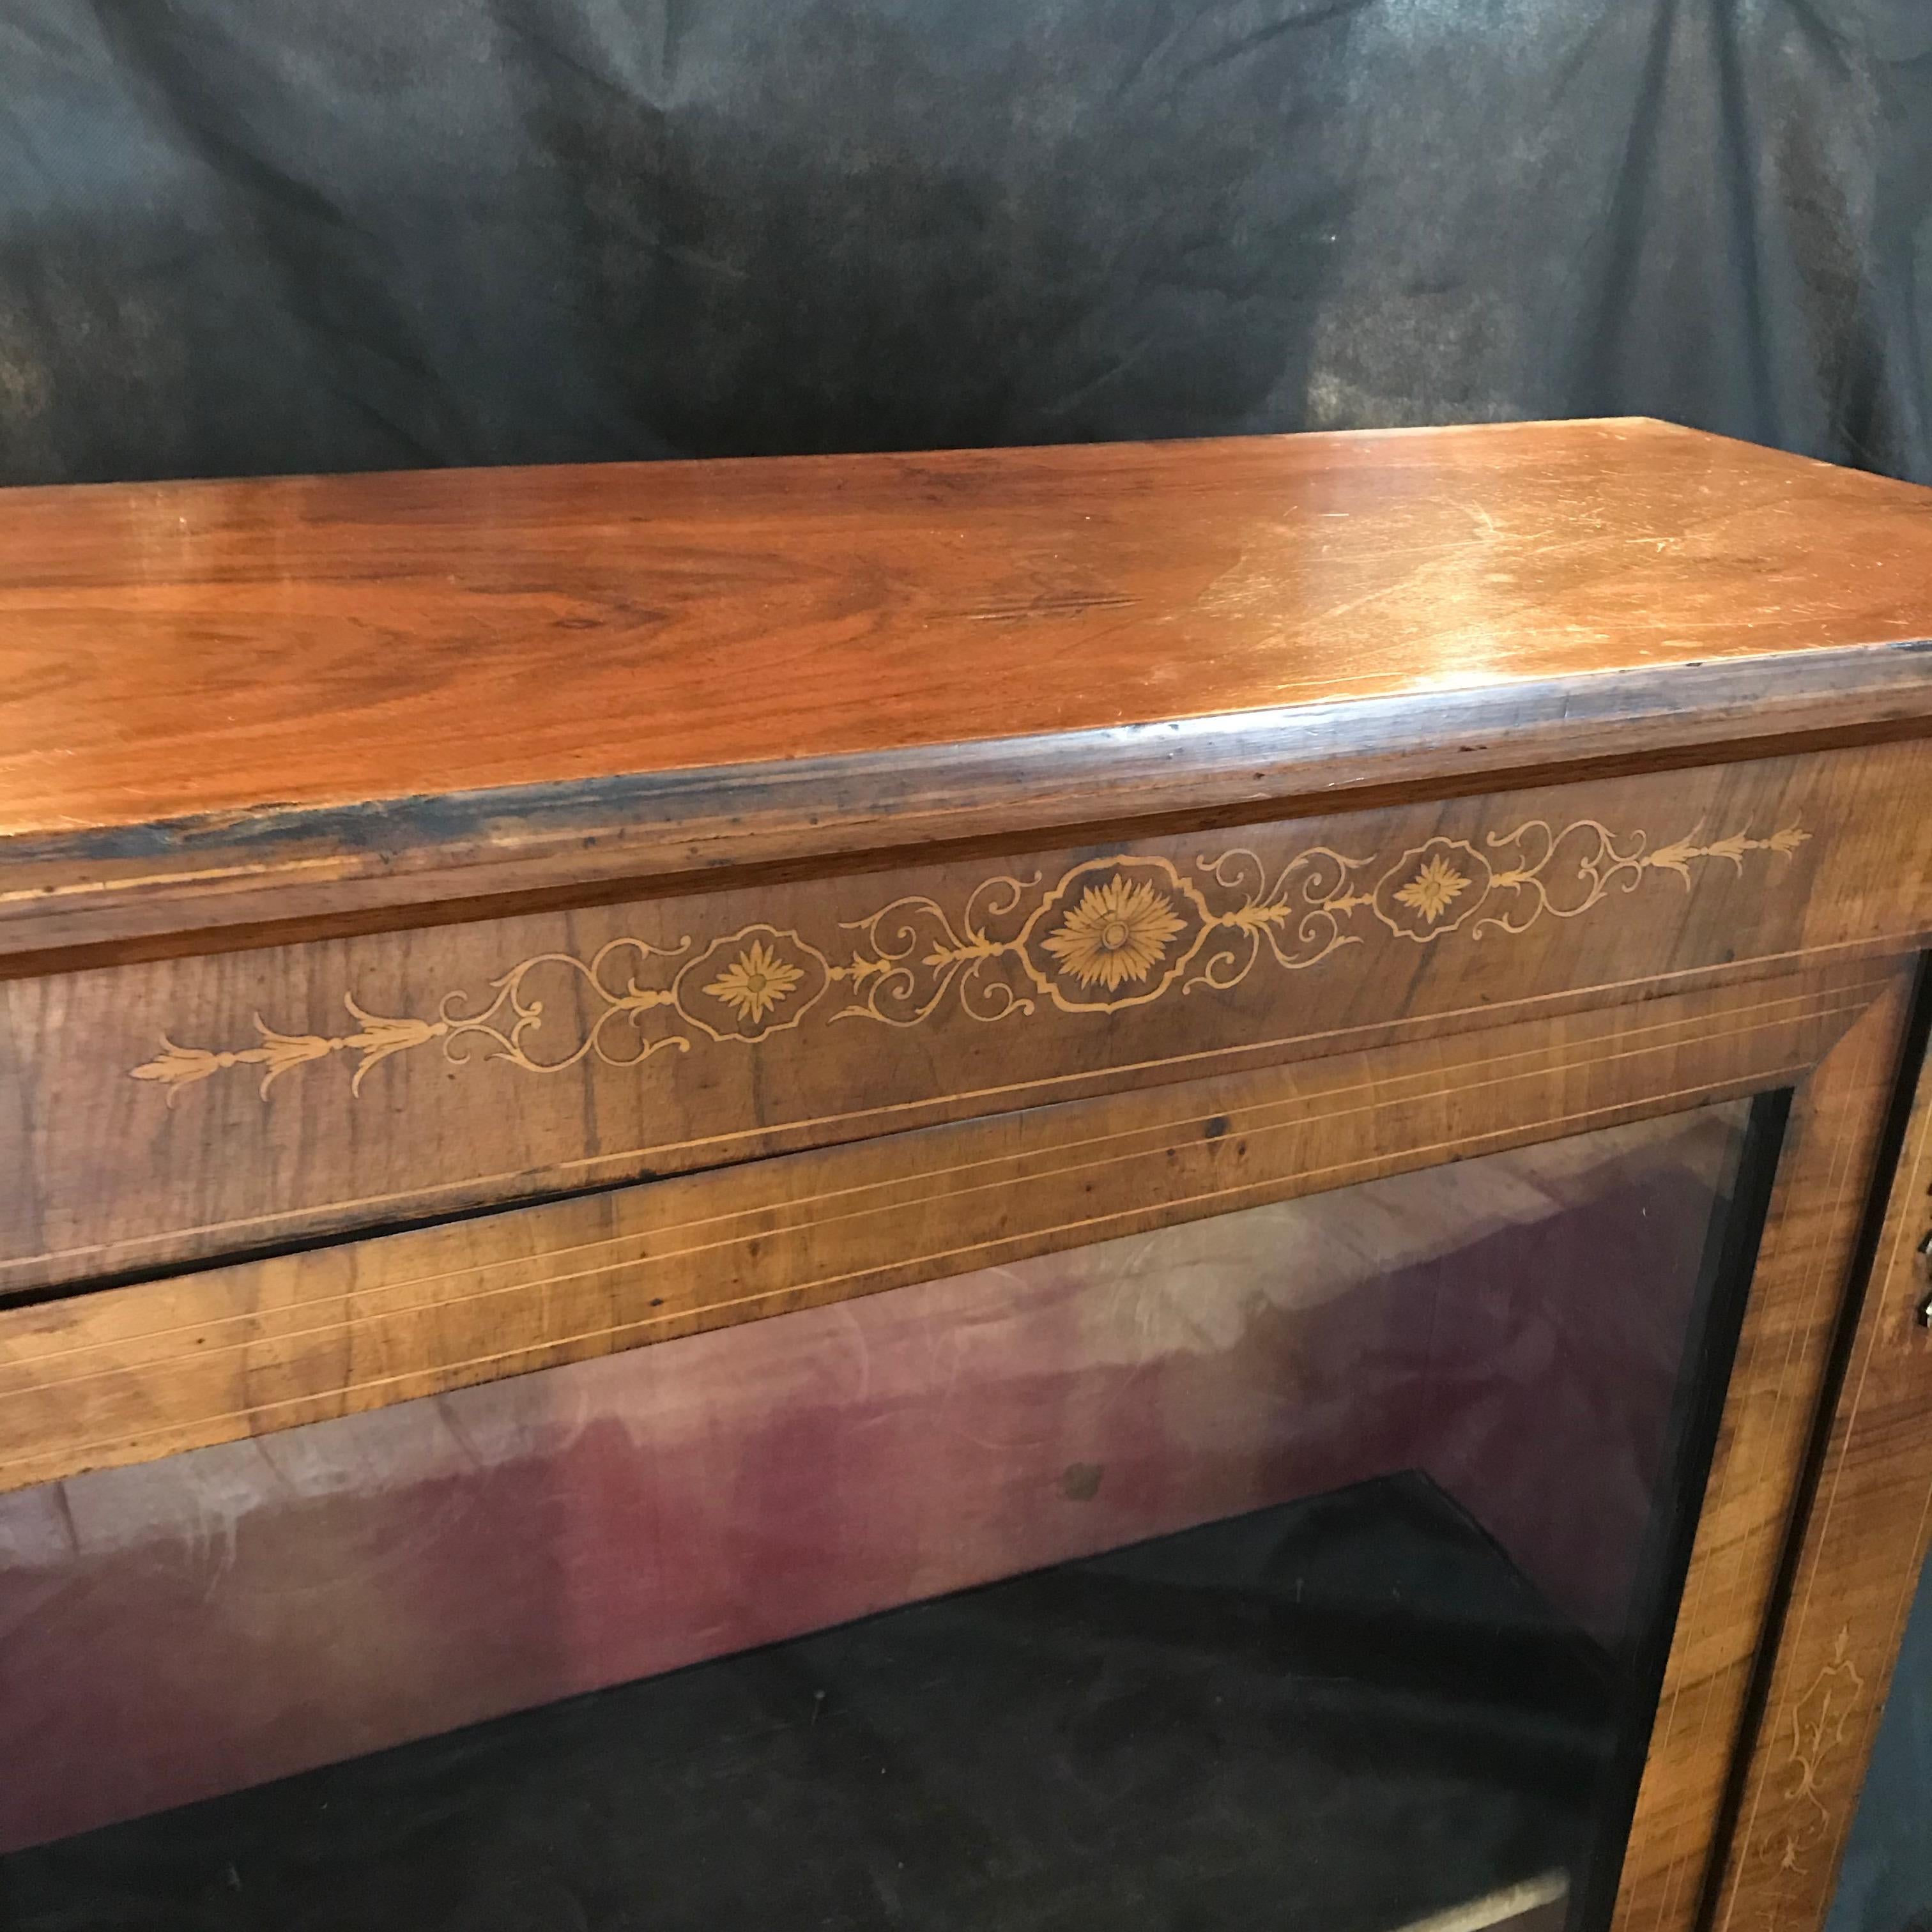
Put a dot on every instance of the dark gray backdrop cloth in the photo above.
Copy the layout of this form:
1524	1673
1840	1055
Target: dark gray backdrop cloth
249	235
246	235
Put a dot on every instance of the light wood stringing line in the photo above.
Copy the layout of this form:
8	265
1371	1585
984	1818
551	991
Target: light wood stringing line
784	1216
554	1352
1884	946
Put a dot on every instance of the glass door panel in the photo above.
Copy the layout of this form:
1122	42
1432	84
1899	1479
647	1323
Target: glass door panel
1312	1566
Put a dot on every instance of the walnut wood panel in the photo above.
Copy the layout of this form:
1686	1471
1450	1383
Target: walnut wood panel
1858	1562
232	701
129	1374
201	1107
1804	1270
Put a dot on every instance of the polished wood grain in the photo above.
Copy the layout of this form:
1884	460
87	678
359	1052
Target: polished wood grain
187	1109
238	701
1805	1269
132	1373
1864	1542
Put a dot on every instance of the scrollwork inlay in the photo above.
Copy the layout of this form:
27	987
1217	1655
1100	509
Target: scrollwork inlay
1111	933
1821	1726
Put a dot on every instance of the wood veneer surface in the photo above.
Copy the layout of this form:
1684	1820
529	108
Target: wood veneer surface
385	698
178	650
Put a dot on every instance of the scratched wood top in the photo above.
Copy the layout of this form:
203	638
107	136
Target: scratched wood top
187	666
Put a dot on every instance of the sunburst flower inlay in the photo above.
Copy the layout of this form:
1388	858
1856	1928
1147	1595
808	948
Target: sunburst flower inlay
1433	890
1118	932
754	983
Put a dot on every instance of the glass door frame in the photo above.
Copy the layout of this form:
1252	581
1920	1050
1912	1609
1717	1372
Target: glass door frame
127	1375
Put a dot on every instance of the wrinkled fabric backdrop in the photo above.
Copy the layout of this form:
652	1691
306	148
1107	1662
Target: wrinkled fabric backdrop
246	235
241	236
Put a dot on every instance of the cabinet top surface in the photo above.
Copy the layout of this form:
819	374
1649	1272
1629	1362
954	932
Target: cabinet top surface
192	649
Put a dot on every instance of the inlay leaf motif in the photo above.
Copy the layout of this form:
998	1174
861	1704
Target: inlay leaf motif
1108	934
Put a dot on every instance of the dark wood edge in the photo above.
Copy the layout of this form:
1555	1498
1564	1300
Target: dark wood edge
379	861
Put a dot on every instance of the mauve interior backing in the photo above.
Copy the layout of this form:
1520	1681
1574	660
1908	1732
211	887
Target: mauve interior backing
1338	1714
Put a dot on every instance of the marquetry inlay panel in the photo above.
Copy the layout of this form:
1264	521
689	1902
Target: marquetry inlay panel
1123	930
137	1372
189	1107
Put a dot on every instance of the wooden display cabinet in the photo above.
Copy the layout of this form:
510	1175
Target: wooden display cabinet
1383	968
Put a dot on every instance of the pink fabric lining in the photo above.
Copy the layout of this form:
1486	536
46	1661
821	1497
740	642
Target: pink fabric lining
173	1631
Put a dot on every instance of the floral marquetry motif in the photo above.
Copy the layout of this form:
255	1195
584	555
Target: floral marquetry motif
1118	932
1434	889
1431	890
1114	932
1126	930
1821	1726
758	981
754	983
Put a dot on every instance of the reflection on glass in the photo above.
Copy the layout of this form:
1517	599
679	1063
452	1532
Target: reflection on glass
1309	1567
